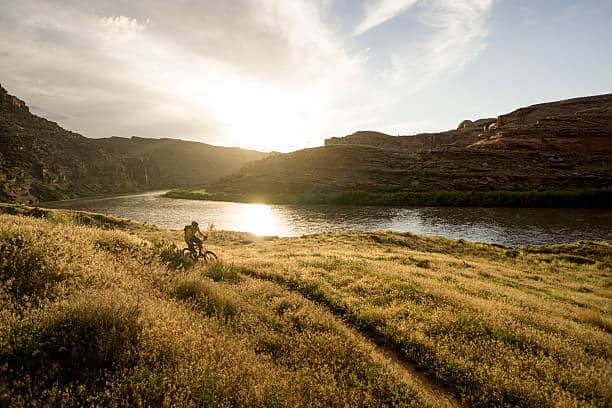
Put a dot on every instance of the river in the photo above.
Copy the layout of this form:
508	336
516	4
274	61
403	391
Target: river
511	226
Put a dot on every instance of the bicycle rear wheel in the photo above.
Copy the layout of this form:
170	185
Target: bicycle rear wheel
190	253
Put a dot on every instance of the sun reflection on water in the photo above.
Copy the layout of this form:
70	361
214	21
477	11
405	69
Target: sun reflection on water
259	219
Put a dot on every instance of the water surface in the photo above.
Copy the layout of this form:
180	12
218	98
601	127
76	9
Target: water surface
494	225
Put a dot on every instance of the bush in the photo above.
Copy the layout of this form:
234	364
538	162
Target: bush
171	256
205	297
119	242
221	272
78	342
189	289
423	263
26	269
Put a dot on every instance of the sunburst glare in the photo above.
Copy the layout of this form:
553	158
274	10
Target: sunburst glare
260	219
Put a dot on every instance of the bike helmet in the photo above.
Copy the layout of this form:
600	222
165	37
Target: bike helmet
194	224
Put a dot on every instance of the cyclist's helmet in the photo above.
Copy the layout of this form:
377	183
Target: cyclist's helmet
194	224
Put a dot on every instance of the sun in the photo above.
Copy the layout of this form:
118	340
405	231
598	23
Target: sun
259	116
254	114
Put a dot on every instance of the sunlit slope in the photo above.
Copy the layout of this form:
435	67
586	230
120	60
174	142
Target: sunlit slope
181	162
91	315
497	326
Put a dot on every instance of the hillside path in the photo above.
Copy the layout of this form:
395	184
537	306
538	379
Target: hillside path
397	363
388	357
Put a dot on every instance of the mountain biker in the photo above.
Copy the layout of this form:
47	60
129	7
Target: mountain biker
191	237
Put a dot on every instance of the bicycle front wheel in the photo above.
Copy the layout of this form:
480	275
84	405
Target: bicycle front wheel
210	256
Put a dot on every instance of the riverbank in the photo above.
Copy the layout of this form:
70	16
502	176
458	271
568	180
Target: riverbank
515	199
91	314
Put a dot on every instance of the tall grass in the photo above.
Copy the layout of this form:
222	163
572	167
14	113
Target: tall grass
528	328
94	317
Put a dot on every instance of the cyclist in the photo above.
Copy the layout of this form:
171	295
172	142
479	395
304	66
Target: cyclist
191	237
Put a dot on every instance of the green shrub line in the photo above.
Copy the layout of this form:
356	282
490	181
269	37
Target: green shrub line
598	198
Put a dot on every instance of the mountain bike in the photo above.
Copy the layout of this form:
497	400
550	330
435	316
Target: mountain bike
193	253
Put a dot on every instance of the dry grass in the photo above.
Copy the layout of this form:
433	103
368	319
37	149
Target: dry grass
496	326
94	317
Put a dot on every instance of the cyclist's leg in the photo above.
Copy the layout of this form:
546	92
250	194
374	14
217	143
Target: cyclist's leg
198	243
191	246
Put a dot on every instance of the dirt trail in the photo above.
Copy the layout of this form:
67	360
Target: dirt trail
405	369
388	357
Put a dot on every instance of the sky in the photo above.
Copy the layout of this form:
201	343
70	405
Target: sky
286	74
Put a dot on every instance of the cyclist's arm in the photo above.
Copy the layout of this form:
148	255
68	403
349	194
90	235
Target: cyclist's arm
204	236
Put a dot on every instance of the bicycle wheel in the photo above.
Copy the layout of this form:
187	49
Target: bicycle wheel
190	253
210	256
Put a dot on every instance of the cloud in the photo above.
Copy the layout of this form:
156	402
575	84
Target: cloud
456	32
311	46
270	74
436	40
122	24
379	12
203	70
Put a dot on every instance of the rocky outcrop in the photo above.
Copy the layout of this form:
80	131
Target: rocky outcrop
11	103
40	161
466	124
599	105
581	124
420	142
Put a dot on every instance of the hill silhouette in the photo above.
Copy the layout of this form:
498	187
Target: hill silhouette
41	161
558	146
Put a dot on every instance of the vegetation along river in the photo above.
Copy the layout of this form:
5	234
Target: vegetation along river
512	226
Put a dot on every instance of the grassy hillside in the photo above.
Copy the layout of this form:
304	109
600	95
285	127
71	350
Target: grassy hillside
91	314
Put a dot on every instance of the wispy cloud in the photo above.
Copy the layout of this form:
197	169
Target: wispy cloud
122	24
381	11
444	36
456	33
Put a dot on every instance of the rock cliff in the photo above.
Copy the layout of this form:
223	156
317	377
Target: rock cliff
581	123
41	161
565	145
